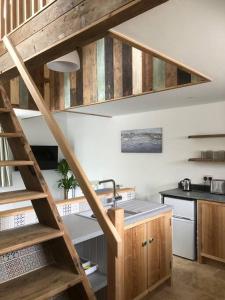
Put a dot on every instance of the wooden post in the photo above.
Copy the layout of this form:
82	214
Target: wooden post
115	264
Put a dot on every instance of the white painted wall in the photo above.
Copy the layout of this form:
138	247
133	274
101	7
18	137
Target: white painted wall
97	144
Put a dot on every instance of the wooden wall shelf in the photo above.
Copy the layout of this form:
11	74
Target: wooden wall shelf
203	136
206	160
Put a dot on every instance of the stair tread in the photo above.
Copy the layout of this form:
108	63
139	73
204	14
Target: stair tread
26	236
10	134
16	163
40	284
21	195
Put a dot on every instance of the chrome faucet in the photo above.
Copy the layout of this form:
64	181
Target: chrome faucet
115	195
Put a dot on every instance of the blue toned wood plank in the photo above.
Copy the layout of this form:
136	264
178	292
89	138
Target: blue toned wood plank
159	74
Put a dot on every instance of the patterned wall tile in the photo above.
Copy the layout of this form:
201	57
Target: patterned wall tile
14	268
3	273
10	256
67	210
19	220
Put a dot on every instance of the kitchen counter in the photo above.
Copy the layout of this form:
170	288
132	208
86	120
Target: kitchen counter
82	228
193	195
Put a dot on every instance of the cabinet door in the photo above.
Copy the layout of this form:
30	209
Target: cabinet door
212	229
159	233
135	261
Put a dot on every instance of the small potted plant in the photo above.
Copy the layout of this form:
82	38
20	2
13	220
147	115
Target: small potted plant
68	181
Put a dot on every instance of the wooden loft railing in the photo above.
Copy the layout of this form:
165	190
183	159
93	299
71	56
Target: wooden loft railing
13	13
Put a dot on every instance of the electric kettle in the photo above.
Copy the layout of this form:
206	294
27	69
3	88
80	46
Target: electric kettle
186	184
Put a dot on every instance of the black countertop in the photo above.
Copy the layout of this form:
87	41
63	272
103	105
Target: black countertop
193	195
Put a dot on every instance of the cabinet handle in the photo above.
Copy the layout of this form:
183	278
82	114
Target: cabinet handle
144	243
151	240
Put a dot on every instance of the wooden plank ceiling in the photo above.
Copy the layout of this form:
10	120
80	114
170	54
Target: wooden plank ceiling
112	67
66	24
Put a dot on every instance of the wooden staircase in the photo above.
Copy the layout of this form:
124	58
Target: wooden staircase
66	273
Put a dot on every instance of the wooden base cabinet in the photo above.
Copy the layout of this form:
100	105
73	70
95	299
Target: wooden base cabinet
148	255
211	230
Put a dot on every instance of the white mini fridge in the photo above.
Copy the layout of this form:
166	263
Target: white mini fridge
184	227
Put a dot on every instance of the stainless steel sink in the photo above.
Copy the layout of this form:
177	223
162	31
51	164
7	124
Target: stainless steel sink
131	208
128	213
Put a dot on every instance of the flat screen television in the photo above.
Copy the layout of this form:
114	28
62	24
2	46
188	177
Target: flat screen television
46	156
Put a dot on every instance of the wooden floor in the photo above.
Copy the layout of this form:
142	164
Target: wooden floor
192	281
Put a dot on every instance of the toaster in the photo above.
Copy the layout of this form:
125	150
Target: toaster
217	186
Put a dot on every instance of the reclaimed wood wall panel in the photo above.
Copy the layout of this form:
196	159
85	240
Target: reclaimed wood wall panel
89	73
66	91
117	69
171	75
38	75
101	69
137	71
109	76
14	91
159	74
79	80
110	69
23	93
147	72
47	95
73	88
127	69
183	77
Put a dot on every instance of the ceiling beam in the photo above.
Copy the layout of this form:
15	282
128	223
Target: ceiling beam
65	25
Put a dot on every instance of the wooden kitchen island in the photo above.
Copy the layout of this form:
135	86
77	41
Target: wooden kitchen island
147	251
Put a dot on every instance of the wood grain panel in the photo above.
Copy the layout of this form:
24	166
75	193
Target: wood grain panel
171	75
89	73
196	78
2	23
66	92
38	75
58	90
136	70
20	12
147	72
127	69
135	261
7	17
101	69
165	235
212	229
73	89
13	13
117	68
14	91
158	74
52	89
27	9
183	77
79	80
153	237
23	92
47	86
109	78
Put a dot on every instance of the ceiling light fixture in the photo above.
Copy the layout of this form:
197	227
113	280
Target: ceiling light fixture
67	63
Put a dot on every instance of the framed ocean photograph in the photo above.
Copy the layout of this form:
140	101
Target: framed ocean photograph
141	140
